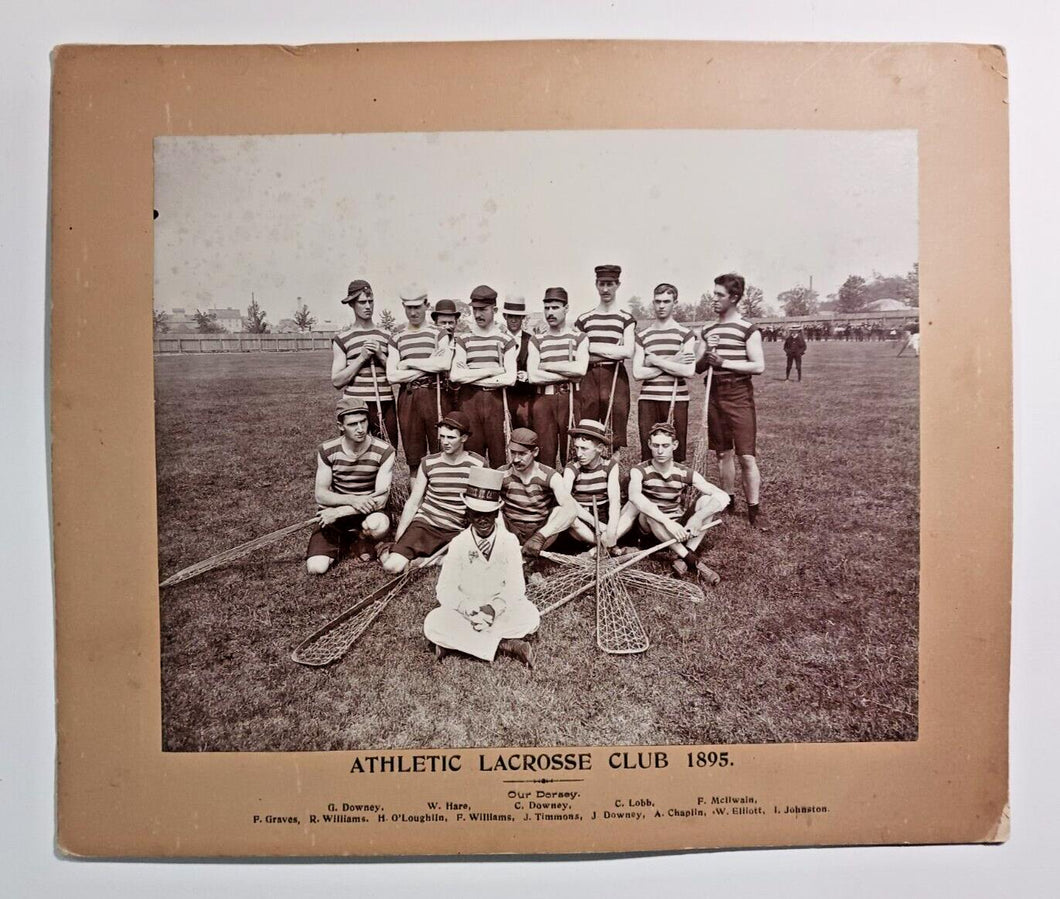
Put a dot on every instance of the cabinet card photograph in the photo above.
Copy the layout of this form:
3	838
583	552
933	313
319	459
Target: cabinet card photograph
529	448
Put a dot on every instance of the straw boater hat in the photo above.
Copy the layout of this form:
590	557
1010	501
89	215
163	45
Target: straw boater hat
514	306
483	492
355	289
444	307
589	427
350	404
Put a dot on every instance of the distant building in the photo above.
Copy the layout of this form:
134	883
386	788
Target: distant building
886	304
181	320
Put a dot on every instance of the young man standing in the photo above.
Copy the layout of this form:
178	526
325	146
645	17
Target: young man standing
358	361
353	478
484	364
435	510
557	361
593	476
733	348
610	331
482	604
655	489
663	356
414	362
537	504
521	393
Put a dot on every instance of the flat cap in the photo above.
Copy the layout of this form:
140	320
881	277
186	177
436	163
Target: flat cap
523	437
483	295
355	289
458	420
348	404
555	295
608	271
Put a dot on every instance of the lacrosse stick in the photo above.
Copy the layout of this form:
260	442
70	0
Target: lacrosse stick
507	428
570	416
399	491
332	641
608	432
659	585
700	458
673	401
237	552
618	627
610	573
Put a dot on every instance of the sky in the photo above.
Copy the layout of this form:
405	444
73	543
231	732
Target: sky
300	216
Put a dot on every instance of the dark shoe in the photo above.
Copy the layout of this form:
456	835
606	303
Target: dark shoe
758	521
382	550
680	567
520	650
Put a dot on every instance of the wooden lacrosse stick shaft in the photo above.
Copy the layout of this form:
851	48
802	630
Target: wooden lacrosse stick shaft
673	401
230	555
507	428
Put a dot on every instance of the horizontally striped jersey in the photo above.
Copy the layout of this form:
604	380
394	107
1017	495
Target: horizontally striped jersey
665	492
592	482
355	474
604	329
484	350
733	342
418	344
528	504
668	341
558	347
443	502
363	385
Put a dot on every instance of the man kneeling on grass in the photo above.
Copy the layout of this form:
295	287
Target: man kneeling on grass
434	512
352	484
482	604
655	489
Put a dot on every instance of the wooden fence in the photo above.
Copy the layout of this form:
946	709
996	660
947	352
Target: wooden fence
172	344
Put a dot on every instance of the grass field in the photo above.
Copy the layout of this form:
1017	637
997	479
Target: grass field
810	637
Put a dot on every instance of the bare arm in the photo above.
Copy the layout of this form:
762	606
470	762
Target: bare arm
708	489
564	500
620	351
507	374
755	364
680	365
581	512
641	370
461	374
649	508
574	368
412	504
534	371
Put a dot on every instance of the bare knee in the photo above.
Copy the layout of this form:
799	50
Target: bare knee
376	525
395	563
318	564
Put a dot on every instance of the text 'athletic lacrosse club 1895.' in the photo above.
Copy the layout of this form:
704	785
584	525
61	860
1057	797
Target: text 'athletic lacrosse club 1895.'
537	762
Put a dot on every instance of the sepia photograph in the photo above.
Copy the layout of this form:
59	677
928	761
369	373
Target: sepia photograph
537	438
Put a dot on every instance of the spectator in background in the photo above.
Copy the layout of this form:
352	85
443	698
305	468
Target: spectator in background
794	348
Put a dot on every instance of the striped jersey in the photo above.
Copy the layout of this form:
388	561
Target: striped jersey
592	482
604	328
362	385
418	344
355	474
528	504
665	492
443	502
733	343
484	350
668	341
558	347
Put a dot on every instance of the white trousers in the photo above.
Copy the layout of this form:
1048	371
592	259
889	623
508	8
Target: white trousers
451	630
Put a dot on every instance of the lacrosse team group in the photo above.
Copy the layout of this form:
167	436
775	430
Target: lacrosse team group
513	440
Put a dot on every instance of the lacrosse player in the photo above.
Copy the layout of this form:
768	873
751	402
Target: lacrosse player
415	362
733	348
435	510
538	506
556	362
593	476
663	356
655	489
605	388
358	362
484	363
482	604
353	478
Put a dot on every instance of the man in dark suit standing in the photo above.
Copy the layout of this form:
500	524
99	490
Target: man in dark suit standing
794	347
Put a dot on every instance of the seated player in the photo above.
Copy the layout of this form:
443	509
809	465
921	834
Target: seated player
537	504
435	510
655	489
482	604
592	475
352	485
